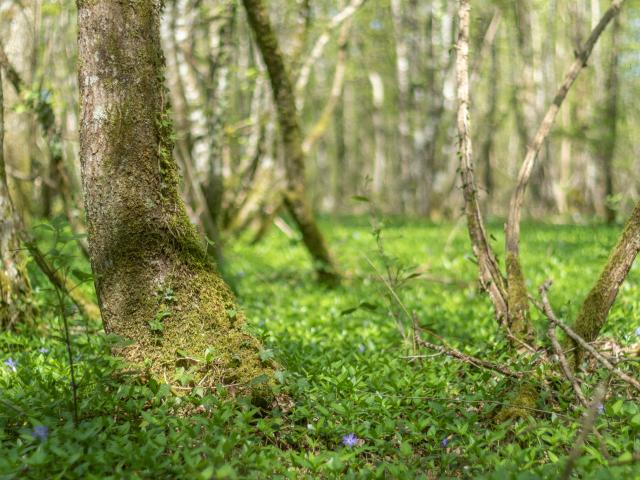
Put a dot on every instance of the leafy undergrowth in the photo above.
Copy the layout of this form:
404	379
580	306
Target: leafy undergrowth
355	404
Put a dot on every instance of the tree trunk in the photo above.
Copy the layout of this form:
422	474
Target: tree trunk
154	282
492	126
15	289
595	309
377	118
405	150
340	161
491	279
296	196
607	145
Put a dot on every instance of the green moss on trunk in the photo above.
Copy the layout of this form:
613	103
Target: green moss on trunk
155	285
595	308
518	300
522	404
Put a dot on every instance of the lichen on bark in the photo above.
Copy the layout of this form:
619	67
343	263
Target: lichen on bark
518	300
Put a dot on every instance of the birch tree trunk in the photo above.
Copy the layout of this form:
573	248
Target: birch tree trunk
155	284
379	162
295	199
405	150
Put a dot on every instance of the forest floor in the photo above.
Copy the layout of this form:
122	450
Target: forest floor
359	408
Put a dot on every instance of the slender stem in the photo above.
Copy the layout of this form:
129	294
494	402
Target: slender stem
67	339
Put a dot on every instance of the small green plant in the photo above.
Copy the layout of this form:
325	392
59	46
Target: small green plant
156	325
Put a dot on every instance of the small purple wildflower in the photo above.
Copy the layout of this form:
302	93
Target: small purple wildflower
600	408
40	432
375	24
350	440
638	332
362	348
444	442
11	364
43	350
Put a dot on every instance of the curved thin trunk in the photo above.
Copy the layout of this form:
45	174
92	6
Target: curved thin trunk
596	306
296	196
517	293
58	180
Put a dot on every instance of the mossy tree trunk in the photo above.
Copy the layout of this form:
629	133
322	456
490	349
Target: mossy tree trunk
296	196
15	289
154	282
595	308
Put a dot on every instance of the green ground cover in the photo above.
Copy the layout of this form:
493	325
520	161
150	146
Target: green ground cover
353	405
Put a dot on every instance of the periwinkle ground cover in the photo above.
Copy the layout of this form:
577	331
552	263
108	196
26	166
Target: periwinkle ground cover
358	408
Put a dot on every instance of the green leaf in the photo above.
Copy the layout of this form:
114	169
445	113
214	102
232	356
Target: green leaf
266	354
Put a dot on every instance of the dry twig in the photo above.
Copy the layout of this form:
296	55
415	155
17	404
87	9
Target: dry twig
548	311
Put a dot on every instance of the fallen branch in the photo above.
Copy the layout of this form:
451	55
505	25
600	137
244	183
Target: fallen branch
86	308
476	362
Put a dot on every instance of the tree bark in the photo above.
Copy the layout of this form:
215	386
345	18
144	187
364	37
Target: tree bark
155	284
595	308
296	196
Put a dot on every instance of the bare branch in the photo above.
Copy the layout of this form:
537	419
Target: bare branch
564	365
86	307
515	207
12	75
548	311
476	362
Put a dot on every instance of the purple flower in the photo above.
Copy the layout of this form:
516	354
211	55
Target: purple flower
600	408
444	442
350	440
362	348
11	364
43	350
40	432
638	332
